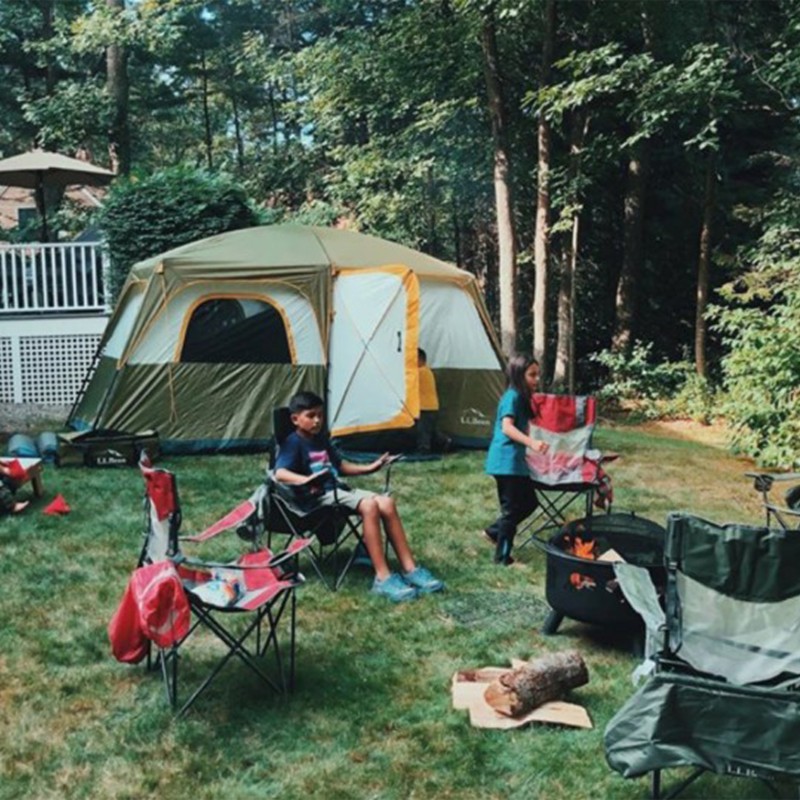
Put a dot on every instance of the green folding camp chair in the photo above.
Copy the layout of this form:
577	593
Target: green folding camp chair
723	689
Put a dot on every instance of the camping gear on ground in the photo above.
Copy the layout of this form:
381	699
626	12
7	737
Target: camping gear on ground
581	583
288	510
470	687
47	445
785	513
40	170
723	654
21	445
105	448
570	469
259	582
209	336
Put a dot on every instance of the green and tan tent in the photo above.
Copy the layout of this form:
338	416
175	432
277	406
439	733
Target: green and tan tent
207	338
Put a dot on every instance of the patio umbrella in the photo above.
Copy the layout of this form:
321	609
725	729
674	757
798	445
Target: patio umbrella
39	169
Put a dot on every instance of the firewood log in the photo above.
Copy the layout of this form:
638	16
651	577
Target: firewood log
540	680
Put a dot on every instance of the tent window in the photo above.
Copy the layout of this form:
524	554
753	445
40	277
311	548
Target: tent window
236	332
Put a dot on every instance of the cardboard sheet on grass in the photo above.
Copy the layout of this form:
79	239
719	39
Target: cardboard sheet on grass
468	690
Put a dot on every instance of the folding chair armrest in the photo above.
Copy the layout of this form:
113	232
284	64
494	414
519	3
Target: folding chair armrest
295	547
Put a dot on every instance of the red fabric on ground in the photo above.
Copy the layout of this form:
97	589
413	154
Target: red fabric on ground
58	506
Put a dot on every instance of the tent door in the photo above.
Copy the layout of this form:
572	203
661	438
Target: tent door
372	375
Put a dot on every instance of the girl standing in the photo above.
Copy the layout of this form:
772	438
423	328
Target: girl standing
505	460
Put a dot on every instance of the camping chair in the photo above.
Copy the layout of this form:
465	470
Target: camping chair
291	511
787	514
257	583
570	470
723	686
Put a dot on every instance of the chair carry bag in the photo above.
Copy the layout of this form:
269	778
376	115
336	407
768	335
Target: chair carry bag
105	448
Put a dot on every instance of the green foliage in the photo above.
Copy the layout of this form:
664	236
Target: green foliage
144	216
762	328
638	376
657	389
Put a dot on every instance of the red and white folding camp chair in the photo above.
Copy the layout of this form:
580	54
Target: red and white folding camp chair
258	584
570	470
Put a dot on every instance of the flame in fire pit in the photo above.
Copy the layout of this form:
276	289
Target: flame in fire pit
586	550
582	549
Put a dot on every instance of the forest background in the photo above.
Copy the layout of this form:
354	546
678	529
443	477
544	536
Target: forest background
621	175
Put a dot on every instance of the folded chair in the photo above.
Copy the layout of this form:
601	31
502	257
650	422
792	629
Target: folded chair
785	513
722	688
335	532
244	602
570	470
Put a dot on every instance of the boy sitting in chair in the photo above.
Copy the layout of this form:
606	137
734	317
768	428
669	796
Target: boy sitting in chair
308	458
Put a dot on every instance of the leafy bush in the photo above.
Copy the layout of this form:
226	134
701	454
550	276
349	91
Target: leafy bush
761	326
144	216
656	389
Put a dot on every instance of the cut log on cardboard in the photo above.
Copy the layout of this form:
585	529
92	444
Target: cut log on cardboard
538	681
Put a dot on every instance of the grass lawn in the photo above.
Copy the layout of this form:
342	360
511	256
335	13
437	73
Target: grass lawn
371	714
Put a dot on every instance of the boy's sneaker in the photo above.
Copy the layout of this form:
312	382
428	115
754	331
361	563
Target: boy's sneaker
422	580
361	557
394	588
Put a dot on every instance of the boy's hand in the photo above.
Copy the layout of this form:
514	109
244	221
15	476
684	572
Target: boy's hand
381	461
316	476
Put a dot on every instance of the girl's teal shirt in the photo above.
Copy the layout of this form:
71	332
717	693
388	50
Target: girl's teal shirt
506	457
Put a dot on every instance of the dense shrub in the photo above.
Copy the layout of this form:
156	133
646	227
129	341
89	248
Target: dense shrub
144	216
761	327
656	389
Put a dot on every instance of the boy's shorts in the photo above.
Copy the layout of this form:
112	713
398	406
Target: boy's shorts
349	498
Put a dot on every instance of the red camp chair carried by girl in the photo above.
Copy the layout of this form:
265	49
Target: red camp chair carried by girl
570	469
243	602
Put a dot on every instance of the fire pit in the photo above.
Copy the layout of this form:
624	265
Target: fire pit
581	583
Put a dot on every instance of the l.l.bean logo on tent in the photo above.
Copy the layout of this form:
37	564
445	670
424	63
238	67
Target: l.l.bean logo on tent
475	417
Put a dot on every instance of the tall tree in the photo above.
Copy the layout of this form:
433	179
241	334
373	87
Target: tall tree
506	234
542	236
118	88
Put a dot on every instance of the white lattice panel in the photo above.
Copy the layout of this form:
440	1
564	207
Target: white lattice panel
53	367
6	371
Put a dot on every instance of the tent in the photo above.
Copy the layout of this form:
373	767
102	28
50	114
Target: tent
207	338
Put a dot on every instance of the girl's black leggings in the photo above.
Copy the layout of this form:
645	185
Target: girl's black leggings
518	501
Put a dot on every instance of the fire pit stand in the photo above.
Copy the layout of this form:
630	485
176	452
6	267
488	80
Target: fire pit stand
584	588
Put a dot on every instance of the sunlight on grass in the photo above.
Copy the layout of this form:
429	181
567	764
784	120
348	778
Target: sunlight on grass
371	714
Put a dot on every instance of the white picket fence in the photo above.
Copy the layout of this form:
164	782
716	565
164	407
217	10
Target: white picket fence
52	278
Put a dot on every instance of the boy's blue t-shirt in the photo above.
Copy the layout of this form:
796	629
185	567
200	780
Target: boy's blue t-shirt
305	456
506	457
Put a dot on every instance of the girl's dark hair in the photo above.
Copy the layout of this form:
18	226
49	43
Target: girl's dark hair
515	373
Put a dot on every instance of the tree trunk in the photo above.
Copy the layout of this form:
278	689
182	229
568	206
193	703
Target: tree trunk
506	236
118	88
703	268
541	246
206	113
564	371
541	680
237	131
632	250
